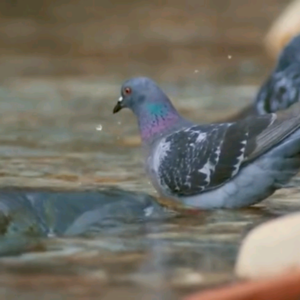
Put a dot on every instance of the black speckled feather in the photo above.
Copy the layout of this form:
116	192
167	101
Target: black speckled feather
280	91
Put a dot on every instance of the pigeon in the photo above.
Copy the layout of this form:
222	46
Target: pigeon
212	166
282	87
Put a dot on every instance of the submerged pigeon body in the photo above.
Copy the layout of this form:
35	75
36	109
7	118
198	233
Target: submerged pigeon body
224	165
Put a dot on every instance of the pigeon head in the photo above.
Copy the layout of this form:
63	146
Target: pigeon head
154	110
142	94
290	54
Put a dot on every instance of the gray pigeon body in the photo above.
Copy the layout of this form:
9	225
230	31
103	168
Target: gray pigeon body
207	166
280	91
282	87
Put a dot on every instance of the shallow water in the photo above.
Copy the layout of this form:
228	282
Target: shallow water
80	219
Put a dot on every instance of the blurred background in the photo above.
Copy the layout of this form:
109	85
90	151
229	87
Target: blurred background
117	39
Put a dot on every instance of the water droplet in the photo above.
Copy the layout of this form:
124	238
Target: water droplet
196	71
229	57
99	127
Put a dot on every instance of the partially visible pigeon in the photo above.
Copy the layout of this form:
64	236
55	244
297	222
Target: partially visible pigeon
224	165
282	88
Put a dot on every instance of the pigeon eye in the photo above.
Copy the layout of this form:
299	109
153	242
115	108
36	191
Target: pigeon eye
127	91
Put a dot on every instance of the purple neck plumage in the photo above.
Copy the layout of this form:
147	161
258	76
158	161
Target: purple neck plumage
156	118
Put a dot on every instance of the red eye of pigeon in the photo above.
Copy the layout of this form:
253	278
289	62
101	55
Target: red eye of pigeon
127	91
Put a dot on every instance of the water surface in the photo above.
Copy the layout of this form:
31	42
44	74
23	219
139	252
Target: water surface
79	218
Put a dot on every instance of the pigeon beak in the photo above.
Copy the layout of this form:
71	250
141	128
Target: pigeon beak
118	106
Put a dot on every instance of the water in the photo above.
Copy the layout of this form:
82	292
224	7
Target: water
80	219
